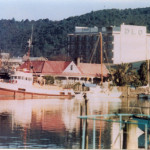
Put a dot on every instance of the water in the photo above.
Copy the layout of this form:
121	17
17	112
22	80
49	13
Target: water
54	123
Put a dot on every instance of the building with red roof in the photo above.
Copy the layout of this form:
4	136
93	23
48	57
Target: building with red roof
67	70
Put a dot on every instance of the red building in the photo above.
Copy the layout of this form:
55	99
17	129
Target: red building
68	71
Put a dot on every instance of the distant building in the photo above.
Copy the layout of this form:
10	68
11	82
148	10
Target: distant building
124	44
81	43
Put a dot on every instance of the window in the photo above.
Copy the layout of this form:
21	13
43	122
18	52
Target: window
71	67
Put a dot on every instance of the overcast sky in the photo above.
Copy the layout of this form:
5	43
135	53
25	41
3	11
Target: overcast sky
60	9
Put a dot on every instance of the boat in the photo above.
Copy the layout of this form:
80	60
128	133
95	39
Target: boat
21	85
102	90
97	92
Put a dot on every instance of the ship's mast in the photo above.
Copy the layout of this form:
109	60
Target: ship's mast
99	40
30	44
101	57
147	57
148	71
94	49
29	49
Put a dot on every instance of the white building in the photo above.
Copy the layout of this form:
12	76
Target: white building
126	44
86	29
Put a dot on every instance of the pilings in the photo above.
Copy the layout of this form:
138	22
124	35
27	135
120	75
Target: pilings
131	138
81	110
127	133
84	133
86	121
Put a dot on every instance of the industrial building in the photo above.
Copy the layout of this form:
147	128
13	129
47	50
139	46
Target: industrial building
124	44
81	43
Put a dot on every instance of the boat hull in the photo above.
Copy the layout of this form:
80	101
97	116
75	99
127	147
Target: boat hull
32	95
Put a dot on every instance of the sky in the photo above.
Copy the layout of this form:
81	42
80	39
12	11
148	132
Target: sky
61	9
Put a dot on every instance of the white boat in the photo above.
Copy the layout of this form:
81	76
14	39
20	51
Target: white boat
21	85
96	92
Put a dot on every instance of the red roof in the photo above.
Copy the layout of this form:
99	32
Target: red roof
37	66
46	66
57	68
93	69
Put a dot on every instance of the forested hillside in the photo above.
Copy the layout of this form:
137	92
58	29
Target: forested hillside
50	37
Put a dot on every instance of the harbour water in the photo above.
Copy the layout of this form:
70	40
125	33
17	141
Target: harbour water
54	123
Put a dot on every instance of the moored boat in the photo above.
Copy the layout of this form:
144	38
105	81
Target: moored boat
96	92
21	85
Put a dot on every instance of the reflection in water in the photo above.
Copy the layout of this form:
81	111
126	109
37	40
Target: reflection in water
54	123
37	123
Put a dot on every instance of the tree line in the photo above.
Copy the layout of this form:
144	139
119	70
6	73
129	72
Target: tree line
50	37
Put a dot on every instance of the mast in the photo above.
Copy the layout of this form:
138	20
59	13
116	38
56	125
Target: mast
99	40
29	49
30	43
147	57
94	49
148	71
101	57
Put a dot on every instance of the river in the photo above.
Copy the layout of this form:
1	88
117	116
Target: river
54	123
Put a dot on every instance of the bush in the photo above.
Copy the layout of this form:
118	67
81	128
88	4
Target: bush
49	79
125	75
143	73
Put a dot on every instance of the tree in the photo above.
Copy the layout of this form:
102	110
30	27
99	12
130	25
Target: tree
124	75
135	79
143	73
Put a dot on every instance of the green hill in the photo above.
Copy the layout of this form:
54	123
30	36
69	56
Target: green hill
50	37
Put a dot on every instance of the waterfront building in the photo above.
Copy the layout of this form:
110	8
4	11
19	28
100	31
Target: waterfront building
67	72
123	44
